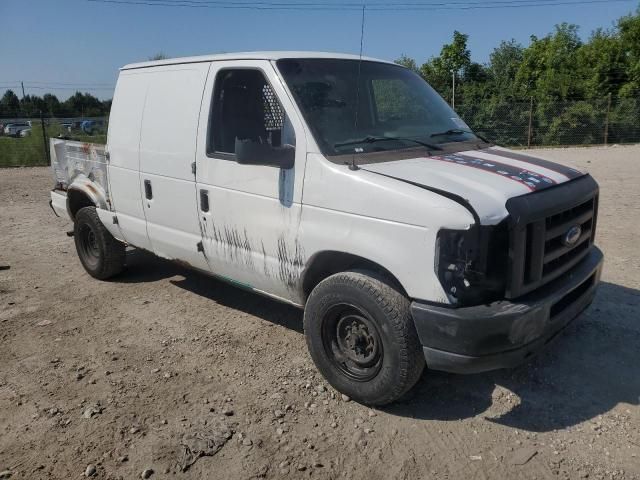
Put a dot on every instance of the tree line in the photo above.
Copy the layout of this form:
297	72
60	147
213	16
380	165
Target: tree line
78	105
570	90
557	67
561	88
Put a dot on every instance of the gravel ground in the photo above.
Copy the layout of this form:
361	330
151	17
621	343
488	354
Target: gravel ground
113	379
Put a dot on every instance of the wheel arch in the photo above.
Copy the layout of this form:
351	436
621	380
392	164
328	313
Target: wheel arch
329	262
84	193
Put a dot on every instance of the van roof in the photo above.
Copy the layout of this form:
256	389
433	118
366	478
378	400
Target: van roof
274	55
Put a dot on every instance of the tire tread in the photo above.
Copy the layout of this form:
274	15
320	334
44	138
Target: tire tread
396	308
114	251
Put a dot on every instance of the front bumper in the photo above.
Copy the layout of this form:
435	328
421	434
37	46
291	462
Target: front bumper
505	333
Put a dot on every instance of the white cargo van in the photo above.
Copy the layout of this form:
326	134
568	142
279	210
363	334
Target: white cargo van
349	188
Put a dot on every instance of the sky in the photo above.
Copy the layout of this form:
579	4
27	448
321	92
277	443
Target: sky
79	44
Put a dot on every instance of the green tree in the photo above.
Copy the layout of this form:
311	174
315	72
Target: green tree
504	63
158	56
579	122
456	56
454	59
51	104
548	68
408	62
629	31
10	104
83	104
568	79
32	105
434	72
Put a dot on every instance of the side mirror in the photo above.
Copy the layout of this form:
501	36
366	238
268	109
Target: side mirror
249	152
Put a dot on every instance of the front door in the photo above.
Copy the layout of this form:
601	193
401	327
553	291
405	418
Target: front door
250	214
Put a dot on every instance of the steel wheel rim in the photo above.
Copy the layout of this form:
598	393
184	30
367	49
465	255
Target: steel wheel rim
88	243
352	342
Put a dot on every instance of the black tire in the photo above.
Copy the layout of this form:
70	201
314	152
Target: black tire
361	336
101	255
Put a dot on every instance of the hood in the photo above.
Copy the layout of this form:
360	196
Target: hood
485	178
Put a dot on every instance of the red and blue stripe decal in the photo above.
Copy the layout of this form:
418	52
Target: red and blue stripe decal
529	179
568	172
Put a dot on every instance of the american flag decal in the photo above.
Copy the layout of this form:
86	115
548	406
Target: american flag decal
532	180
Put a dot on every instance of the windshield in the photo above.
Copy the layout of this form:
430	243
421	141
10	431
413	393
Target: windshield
393	107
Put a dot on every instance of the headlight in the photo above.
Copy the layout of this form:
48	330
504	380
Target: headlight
471	264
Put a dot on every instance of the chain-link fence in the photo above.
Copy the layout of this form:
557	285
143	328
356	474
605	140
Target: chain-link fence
528	124
24	141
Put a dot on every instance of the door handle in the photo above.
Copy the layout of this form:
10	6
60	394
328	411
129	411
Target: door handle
148	192
204	200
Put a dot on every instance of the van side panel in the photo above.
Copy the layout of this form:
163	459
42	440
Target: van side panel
170	123
167	151
106	217
123	142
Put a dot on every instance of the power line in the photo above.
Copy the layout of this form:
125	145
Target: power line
55	87
354	4
315	6
38	82
48	83
67	88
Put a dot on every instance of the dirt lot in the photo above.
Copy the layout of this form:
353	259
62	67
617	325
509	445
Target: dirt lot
113	375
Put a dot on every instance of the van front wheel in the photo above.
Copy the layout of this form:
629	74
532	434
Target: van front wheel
101	255
361	336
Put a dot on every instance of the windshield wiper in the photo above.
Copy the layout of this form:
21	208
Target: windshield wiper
372	139
458	131
451	131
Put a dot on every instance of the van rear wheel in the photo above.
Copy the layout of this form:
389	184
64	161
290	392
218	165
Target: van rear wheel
101	255
361	336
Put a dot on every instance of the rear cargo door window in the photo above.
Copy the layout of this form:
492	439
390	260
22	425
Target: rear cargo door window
245	107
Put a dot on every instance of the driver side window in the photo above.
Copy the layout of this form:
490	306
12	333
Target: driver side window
245	107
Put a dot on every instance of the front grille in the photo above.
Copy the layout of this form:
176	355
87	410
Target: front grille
537	252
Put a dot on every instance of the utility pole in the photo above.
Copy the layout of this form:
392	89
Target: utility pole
45	142
22	84
453	94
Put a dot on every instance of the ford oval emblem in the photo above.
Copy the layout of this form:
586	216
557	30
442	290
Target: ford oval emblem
571	237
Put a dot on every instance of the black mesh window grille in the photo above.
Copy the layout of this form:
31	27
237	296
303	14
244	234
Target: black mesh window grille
273	112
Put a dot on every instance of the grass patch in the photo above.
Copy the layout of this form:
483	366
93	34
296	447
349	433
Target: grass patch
29	151
22	152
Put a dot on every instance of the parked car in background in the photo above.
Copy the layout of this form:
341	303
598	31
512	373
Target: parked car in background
14	129
90	126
